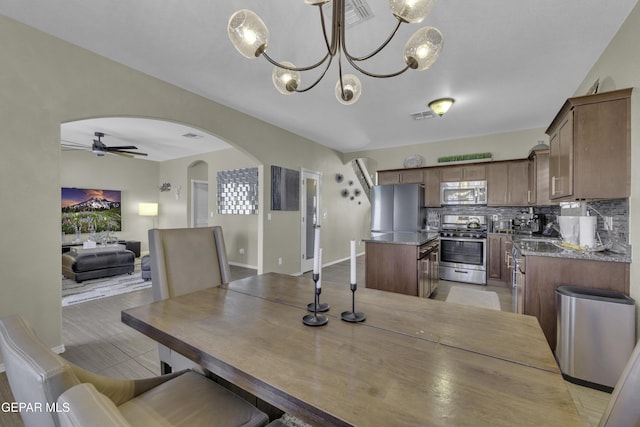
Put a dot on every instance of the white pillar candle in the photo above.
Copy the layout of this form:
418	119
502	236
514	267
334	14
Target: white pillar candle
353	261
318	285
316	249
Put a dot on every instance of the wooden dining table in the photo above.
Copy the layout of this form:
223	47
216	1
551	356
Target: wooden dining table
412	362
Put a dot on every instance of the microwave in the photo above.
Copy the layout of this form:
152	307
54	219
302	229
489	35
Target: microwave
463	193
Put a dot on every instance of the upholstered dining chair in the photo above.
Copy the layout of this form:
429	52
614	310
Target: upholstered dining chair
624	406
185	260
38	376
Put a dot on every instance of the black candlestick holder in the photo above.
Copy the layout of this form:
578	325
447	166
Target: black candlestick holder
353	316
316	305
315	319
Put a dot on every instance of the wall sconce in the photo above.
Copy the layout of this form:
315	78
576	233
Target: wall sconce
166	186
178	191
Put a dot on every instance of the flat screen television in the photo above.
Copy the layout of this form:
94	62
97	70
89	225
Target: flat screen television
88	210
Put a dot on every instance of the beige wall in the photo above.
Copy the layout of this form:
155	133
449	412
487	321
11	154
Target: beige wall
46	82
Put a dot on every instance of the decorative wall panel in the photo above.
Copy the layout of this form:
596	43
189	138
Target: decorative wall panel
238	192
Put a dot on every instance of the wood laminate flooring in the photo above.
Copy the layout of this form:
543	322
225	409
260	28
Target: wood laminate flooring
95	339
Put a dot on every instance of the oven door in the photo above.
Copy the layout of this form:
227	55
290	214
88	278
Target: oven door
463	260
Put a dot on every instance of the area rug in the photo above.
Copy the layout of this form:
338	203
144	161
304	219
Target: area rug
477	298
90	290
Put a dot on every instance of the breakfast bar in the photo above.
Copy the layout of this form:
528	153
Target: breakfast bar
410	363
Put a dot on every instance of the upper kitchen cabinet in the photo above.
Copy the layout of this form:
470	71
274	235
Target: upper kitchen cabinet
538	194
432	187
590	148
508	183
409	176
463	173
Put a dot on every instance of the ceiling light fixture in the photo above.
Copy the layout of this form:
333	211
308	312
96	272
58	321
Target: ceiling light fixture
441	105
250	37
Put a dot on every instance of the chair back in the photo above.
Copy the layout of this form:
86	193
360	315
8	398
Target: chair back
185	260
37	376
624	408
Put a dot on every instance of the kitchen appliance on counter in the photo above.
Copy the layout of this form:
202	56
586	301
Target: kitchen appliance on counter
397	207
528	222
463	193
463	248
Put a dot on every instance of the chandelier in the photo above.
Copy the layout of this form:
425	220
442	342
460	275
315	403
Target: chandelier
250	36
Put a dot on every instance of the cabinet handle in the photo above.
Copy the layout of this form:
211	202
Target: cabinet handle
528	196
553	185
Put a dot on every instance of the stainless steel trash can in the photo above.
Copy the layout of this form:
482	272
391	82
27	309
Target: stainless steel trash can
595	335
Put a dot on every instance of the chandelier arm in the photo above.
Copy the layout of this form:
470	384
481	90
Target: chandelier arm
286	67
319	78
330	45
377	76
376	51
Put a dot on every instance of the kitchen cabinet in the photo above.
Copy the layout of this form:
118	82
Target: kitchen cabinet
463	173
428	269
538	194
432	187
508	183
544	274
590	148
410	176
498	259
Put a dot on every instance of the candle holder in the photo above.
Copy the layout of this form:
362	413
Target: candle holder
353	316
315	319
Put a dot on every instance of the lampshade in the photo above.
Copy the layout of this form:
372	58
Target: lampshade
411	11
423	48
248	33
148	209
352	89
286	81
441	106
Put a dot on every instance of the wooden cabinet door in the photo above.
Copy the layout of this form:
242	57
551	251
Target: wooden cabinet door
518	183
413	176
497	184
474	173
451	174
495	250
561	159
387	178
539	179
432	187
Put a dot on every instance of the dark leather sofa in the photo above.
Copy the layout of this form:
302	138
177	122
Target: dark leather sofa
94	265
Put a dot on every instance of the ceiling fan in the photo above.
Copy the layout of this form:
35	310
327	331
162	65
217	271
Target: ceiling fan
99	148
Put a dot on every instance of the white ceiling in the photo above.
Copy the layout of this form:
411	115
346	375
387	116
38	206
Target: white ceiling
509	64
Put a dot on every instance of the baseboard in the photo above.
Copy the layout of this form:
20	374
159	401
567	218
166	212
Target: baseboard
58	350
237	264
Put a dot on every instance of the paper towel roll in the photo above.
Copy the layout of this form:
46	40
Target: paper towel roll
588	231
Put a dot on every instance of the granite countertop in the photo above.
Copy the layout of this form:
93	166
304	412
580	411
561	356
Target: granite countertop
549	247
402	237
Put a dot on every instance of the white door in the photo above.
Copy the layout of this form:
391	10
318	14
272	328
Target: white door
310	215
199	203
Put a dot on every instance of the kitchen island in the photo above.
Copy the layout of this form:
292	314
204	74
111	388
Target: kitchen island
392	262
544	265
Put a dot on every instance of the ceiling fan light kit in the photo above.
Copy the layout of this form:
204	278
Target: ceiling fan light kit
250	36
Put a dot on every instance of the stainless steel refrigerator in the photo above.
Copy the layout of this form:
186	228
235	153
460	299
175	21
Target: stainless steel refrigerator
397	207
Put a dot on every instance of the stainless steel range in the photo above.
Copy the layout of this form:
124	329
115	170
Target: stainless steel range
463	248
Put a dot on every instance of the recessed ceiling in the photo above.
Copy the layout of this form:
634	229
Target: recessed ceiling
509	64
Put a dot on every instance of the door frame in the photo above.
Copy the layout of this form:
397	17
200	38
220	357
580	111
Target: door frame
306	264
193	200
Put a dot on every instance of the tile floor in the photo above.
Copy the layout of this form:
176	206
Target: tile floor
95	339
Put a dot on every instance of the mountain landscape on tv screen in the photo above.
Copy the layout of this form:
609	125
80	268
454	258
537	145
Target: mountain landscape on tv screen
90	211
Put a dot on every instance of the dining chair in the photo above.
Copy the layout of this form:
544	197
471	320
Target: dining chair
38	377
185	260
623	409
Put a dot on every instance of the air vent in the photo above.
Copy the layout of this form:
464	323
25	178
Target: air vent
355	12
192	135
422	115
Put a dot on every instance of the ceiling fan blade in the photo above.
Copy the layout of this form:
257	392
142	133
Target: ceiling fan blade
71	144
122	147
135	153
120	153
